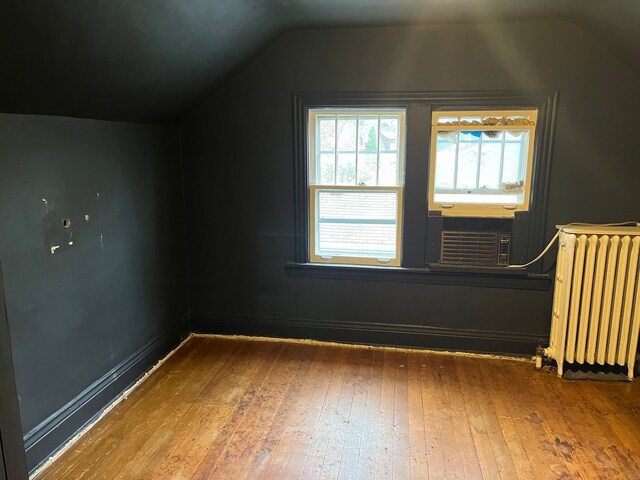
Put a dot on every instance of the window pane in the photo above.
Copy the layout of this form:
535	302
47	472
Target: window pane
367	168
444	120
446	148
490	165
346	168
445	165
368	134
388	174
327	169
389	134
467	164
356	223
357	204
517	136
513	159
471	119
327	133
467	136
492	136
346	133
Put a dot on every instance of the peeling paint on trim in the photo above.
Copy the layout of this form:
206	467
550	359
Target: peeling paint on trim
368	347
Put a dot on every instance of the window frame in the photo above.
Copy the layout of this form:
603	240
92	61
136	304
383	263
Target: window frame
482	210
314	184
416	244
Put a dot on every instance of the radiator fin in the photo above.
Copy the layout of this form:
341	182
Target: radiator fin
628	299
610	275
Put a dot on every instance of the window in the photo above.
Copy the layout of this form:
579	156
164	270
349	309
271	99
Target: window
481	162
389	179
356	178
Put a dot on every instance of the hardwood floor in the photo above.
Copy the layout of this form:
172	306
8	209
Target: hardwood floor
226	408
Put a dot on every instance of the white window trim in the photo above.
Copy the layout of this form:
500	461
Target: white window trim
507	210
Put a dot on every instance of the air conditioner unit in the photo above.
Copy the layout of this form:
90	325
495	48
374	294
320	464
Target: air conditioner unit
474	248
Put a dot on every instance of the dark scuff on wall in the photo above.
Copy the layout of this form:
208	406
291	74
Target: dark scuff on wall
71	220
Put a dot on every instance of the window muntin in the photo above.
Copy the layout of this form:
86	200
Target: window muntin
481	162
356	177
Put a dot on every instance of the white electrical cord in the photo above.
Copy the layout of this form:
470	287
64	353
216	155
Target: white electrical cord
575	224
546	249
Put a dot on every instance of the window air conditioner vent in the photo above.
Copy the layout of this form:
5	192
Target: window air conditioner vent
482	249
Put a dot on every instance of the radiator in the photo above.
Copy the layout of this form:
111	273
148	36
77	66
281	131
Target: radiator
596	303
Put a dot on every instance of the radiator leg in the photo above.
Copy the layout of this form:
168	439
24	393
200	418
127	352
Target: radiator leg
560	367
539	356
630	372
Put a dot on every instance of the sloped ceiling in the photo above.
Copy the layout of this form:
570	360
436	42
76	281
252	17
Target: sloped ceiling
152	60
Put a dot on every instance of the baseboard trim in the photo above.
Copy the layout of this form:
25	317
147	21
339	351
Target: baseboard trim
52	433
415	336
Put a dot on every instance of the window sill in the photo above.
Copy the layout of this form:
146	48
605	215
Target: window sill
518	279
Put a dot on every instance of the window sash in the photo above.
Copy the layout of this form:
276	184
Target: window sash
346	259
315	151
494	208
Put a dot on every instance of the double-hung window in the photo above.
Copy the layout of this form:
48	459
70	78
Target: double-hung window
392	179
481	162
356	179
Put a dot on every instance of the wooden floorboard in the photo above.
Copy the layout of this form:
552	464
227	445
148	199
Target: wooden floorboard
232	408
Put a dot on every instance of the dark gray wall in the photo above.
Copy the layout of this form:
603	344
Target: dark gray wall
12	456
238	149
79	312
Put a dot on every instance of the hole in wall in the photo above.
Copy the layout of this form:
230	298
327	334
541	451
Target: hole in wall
66	223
